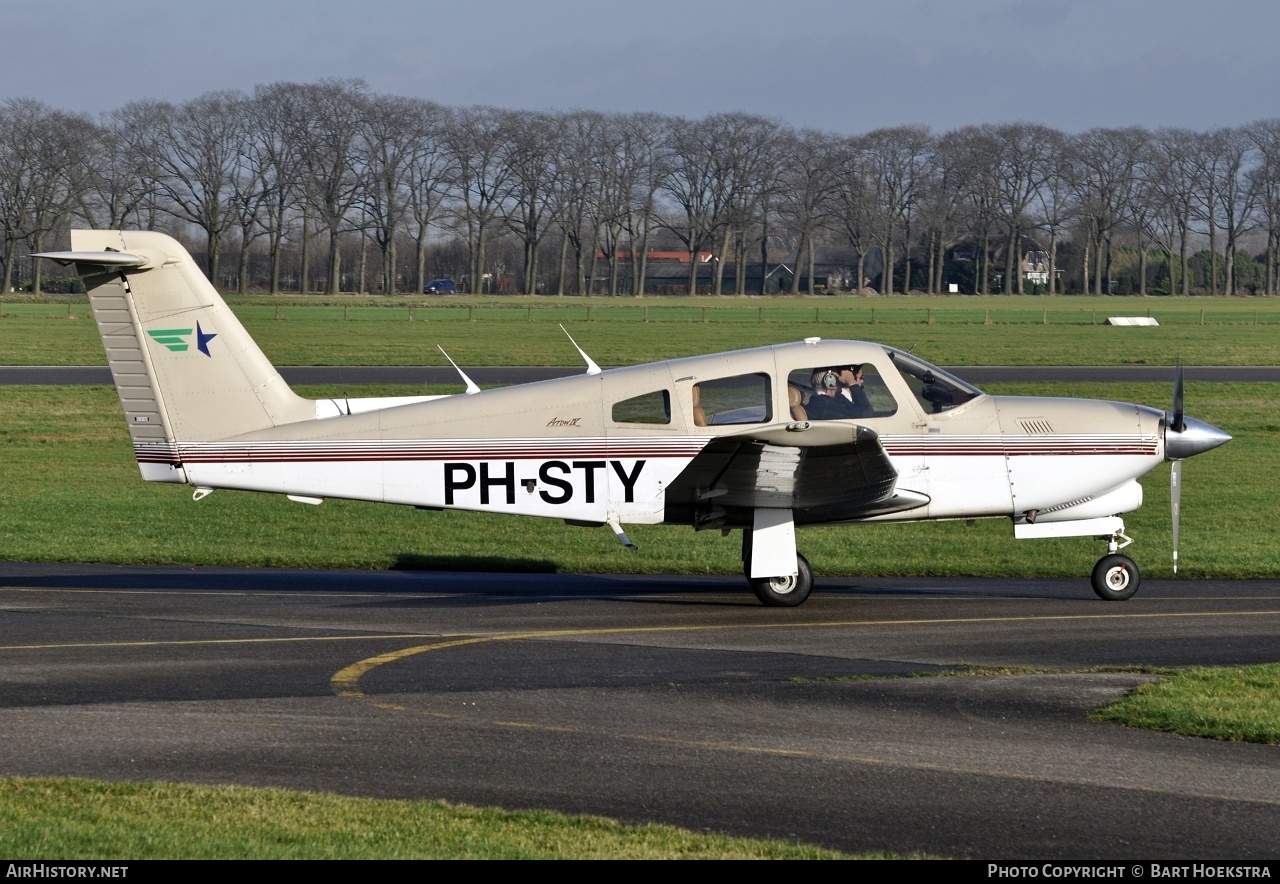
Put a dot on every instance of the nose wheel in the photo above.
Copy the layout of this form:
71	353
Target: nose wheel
1115	577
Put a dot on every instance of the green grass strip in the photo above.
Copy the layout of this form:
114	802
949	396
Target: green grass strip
1004	330
1237	704
66	819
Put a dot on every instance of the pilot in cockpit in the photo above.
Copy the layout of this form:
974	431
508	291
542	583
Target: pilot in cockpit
838	394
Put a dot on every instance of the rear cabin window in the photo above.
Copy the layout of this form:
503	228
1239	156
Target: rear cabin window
741	399
648	408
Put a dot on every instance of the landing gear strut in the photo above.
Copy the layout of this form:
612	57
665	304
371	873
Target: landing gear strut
768	551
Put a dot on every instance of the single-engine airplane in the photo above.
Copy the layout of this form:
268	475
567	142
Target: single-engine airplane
762	440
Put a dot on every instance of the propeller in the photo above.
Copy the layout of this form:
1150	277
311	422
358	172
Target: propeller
1177	423
1175	503
1184	437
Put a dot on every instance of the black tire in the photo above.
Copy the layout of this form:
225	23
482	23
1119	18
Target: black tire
1116	578
785	592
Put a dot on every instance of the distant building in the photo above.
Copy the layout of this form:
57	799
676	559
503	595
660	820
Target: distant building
659	255
665	276
1032	257
667	273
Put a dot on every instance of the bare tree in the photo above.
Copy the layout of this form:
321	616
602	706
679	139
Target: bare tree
747	169
331	156
476	142
431	173
532	151
807	193
640	170
1173	174
1106	163
615	172
250	197
390	135
197	148
970	150
856	213
334	111
1238	192
703	179
122	174
280	130
1265	135
1021	164
571	198
44	156
1209	173
1144	213
1053	198
899	155
942	202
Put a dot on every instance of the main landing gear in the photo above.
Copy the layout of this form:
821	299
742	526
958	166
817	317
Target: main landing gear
784	592
778	575
1115	576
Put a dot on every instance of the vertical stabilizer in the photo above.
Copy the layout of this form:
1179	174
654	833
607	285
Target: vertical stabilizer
185	368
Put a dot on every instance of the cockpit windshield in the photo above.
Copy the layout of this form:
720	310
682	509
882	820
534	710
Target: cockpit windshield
936	390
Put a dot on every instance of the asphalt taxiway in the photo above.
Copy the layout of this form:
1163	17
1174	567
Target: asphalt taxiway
669	699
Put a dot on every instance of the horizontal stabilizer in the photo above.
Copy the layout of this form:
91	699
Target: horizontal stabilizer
101	259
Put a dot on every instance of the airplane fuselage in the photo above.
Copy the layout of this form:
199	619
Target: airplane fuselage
593	448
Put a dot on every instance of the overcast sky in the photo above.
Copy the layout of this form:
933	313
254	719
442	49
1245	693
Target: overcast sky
848	66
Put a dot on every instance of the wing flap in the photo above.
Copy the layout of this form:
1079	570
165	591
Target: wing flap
849	477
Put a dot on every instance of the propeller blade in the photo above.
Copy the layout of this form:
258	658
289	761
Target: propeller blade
1177	422
1175	505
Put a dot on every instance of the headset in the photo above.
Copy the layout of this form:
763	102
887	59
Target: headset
830	379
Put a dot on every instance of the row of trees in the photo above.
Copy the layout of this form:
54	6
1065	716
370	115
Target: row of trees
299	172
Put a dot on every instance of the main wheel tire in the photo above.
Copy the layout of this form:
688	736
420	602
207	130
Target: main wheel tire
785	592
1116	578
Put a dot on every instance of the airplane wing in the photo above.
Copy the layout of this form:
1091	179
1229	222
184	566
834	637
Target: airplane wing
839	473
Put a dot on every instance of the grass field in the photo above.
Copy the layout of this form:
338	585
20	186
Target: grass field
526	331
62	819
1240	704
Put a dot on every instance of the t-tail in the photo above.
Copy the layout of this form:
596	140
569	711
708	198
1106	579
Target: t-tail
185	368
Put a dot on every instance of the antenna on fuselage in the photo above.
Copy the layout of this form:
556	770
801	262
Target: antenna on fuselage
471	385
592	368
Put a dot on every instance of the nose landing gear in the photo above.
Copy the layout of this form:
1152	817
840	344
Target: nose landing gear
1116	577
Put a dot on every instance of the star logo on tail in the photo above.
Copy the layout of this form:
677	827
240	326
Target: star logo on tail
202	340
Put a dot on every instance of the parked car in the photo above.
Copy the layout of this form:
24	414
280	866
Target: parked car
440	287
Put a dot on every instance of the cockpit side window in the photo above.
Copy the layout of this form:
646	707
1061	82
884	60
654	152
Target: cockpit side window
936	390
842	392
